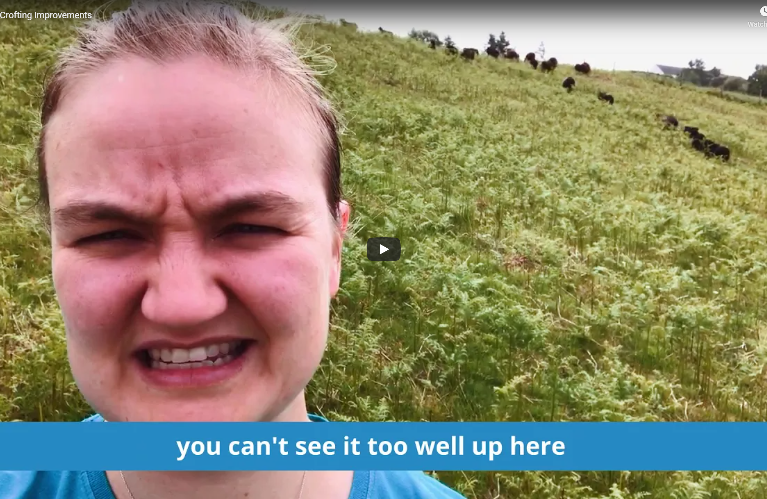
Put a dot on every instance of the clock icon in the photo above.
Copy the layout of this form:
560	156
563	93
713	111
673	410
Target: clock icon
763	11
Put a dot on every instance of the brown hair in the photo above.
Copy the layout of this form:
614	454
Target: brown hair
172	30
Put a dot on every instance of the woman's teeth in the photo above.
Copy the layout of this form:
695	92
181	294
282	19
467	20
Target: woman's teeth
193	358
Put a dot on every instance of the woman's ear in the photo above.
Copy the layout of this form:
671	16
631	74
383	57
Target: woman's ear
342	226
344	211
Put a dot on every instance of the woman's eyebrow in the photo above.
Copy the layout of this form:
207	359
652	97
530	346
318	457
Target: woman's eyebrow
79	213
267	202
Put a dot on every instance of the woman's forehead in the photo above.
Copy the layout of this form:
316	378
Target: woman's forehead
196	123
185	100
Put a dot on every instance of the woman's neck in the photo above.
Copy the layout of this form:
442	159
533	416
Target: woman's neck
235	484
230	484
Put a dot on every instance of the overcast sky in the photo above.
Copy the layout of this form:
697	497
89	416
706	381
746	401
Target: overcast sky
624	37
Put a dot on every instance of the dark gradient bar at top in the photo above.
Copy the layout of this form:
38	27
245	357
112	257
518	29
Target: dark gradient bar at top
551	8
722	18
706	13
609	35
683	9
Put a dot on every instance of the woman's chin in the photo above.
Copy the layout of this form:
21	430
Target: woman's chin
189	413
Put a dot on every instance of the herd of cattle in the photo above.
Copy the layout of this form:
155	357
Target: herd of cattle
708	147
697	140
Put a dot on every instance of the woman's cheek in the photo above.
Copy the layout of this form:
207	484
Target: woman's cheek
95	296
282	288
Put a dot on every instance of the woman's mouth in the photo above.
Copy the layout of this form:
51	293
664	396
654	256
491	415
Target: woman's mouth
194	367
217	354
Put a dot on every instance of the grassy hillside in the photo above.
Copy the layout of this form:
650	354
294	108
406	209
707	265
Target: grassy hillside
563	259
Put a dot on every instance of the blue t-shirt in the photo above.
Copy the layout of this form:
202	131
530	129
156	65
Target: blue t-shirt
94	484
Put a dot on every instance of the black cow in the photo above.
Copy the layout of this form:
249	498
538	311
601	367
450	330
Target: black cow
693	132
709	144
534	64
569	83
607	98
469	54
547	66
530	57
703	145
553	62
720	151
669	121
583	68
385	32
710	148
451	50
493	52
511	54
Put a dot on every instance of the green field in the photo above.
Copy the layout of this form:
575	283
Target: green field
563	259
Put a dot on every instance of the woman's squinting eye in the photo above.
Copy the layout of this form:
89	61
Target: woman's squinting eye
114	235
234	229
251	229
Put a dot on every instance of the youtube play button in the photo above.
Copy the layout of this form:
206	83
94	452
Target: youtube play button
384	249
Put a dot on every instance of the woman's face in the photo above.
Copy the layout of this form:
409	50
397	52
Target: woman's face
194	255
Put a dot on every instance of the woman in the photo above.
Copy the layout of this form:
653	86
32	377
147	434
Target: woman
189	164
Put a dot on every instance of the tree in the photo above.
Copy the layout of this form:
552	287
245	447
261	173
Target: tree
718	81
735	84
424	35
542	51
697	64
492	42
450	45
757	82
690	75
696	73
503	43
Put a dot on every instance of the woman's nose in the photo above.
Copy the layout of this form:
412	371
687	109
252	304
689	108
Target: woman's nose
182	290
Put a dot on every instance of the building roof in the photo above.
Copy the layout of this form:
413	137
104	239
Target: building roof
666	70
